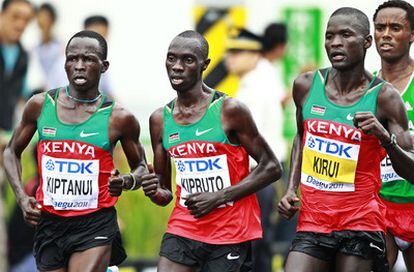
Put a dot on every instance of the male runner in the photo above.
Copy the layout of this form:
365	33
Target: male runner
74	214
209	137
344	116
394	33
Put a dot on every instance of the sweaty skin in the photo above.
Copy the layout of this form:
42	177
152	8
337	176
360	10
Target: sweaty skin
185	63
345	46
83	67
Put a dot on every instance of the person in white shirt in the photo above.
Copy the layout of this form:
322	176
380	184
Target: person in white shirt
261	88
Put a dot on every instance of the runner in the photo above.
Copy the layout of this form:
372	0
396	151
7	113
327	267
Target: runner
394	33
78	127
342	116
209	137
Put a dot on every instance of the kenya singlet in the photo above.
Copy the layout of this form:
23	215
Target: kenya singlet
205	161
74	161
398	193
340	176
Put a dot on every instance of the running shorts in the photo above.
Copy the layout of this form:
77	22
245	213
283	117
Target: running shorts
57	238
368	245
209	257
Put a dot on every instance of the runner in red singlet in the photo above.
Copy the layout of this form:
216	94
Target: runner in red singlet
78	127
344	116
208	137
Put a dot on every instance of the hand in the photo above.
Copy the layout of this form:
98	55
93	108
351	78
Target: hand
31	210
201	204
286	206
150	182
369	124
115	183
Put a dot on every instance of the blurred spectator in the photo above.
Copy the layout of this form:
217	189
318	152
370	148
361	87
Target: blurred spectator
14	17
274	49
261	89
50	50
100	24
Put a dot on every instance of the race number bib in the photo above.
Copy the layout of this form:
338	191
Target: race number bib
208	174
328	164
70	184
387	171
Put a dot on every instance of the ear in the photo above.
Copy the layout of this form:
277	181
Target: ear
105	66
206	62
368	41
412	36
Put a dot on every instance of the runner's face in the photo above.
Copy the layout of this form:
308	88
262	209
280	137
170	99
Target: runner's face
83	64
185	63
393	34
345	45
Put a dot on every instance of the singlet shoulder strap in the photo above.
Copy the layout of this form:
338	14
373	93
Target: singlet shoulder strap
108	102
324	72
52	93
170	105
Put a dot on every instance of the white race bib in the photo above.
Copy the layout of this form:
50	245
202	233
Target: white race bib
70	184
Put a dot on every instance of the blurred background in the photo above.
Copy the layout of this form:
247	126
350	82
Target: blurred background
138	35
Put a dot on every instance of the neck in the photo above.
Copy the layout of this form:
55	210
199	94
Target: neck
4	40
88	96
47	37
348	80
192	96
396	70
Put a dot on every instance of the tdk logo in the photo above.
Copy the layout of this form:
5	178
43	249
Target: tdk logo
332	147
73	167
199	165
311	142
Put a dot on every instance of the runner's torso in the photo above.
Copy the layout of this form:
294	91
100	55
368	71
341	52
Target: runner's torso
74	160
205	161
395	188
339	180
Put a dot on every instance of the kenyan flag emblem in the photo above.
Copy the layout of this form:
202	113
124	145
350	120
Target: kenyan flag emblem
49	131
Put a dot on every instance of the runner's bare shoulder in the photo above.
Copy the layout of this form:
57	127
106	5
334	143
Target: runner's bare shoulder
34	106
301	87
122	119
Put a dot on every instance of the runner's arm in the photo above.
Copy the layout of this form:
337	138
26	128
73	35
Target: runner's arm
157	184
391	110
126	128
240	128
12	157
286	206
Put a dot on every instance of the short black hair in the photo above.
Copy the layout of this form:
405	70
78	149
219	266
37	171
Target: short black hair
361	18
95	19
409	9
195	35
274	34
6	3
93	35
49	8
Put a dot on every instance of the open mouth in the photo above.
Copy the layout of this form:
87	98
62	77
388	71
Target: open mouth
337	56
386	46
177	80
79	80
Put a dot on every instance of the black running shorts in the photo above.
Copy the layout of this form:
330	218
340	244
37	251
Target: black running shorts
56	238
369	245
209	257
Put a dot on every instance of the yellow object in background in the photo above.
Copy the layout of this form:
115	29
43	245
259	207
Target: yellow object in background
214	23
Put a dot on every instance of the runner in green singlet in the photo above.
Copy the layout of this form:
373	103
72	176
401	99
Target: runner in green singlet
394	34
